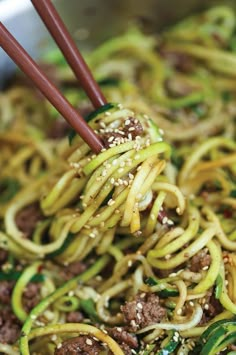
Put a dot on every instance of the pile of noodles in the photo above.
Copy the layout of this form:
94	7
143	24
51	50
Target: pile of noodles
142	208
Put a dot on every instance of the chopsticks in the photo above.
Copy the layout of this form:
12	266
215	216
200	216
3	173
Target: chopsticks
62	37
33	71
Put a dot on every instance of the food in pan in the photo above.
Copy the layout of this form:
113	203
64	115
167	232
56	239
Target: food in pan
131	251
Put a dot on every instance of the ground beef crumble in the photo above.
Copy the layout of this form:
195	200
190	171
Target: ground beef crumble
200	260
31	295
131	129
211	307
6	288
144	310
10	327
74	317
126	340
83	344
72	269
28	217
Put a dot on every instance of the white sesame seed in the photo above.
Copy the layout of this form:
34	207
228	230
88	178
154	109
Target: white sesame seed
178	210
130	263
110	202
127	122
179	311
59	345
165	220
161	131
205	268
110	139
89	342
139	305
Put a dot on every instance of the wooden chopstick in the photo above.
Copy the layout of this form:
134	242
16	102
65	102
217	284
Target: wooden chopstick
62	37
32	70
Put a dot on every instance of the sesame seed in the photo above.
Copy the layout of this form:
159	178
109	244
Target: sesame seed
114	162
102	124
112	181
178	210
170	222
89	342
131	176
54	337
33	316
165	220
107	113
71	293
92	235
152	216
110	139
127	122
120	170
179	311
120	181
191	304
206	306
122	164
205	268
161	131
59	345
139	305
110	202
130	263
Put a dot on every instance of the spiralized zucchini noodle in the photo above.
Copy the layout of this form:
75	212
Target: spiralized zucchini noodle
131	251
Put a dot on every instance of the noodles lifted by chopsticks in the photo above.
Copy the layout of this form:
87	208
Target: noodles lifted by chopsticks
132	250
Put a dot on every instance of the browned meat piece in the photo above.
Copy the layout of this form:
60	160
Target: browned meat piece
58	129
10	327
3	256
178	88
212	307
31	295
144	310
74	317
180	61
83	344
27	218
72	269
132	128
126	340
200	260
6	288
